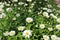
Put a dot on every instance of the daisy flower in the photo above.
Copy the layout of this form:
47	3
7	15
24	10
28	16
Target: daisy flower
1	5
17	15
53	37
2	15
51	14
55	17
14	18
50	29
1	10
58	20
29	0
45	37
29	20
14	0
12	33
8	9
7	4
20	3
42	26
21	28
44	8
49	6
58	26
6	33
45	14
49	10
27	33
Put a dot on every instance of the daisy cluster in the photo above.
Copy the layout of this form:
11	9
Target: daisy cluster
30	20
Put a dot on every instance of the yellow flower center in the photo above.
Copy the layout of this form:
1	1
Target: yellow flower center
45	37
27	33
12	32
59	20
29	20
58	26
21	28
7	33
44	14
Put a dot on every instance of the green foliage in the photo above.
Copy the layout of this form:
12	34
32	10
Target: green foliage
8	24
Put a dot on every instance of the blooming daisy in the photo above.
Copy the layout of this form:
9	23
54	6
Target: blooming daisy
29	0
1	5
45	14
55	17
8	9
6	33
20	3
51	14
53	37
44	8
58	20
2	15
45	0
42	26
14	0
58	26
1	10
50	29
36	25
21	28
29	20
45	37
7	4
14	18
49	10
27	33
17	15
12	33
49	6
